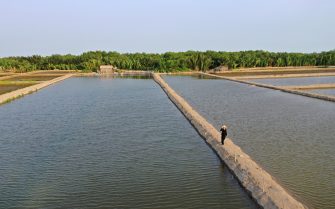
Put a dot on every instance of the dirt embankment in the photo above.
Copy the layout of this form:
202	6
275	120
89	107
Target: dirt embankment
257	182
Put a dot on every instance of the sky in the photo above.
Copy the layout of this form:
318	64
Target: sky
46	27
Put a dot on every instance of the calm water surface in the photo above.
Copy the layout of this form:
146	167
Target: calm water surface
292	136
296	81
330	92
107	143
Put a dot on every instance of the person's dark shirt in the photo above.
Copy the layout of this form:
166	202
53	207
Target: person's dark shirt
223	132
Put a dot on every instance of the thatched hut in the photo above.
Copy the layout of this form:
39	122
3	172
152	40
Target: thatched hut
221	68
107	69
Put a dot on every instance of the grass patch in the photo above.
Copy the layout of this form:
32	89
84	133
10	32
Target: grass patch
8	82
5	88
32	78
61	72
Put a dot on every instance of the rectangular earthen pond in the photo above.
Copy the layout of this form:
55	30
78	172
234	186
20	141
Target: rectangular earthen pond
108	143
291	136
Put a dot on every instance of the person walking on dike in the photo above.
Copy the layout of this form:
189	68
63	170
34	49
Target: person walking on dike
223	133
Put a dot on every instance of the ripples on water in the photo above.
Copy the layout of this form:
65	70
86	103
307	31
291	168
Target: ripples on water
107	143
291	136
296	81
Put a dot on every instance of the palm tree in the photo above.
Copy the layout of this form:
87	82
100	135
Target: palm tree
200	62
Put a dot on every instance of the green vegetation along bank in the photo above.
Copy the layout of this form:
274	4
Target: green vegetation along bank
166	62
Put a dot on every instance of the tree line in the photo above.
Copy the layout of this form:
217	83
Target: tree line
167	62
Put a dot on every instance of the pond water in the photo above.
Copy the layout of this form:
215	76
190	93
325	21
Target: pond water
291	136
108	143
330	92
296	81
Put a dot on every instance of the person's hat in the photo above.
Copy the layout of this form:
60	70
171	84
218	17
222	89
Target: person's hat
224	127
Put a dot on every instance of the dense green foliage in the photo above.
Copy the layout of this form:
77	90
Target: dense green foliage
167	62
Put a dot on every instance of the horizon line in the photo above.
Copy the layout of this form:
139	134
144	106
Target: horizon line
160	53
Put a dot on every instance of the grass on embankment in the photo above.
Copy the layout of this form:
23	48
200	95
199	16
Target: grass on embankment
8	86
54	72
32	78
19	81
1	75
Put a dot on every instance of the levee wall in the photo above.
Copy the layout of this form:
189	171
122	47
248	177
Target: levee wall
257	182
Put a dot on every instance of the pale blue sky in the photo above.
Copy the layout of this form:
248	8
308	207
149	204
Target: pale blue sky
47	27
